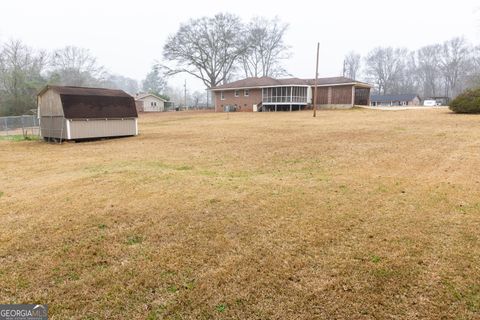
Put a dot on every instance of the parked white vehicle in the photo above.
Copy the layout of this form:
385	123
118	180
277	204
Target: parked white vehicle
429	103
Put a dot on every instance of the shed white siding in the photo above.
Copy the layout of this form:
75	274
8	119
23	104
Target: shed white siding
97	128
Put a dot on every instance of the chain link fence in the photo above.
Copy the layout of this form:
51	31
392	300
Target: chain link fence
26	126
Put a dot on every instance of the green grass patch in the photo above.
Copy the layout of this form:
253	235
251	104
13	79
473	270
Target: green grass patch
470	296
384	273
156	313
172	289
163	165
184	168
189	285
73	276
135	239
209	173
221	307
382	188
19	137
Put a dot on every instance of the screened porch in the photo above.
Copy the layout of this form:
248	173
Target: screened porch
285	95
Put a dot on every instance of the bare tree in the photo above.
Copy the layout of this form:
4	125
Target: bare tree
265	48
206	48
428	69
21	77
476	58
446	69
454	63
76	67
475	77
175	94
408	80
384	67
197	98
115	81
351	66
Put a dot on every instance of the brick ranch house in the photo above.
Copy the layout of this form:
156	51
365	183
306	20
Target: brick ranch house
269	94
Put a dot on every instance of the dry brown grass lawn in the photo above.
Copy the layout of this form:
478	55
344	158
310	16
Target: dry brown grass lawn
352	215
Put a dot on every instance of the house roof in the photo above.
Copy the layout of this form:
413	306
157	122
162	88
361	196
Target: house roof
91	103
261	82
335	81
393	97
141	96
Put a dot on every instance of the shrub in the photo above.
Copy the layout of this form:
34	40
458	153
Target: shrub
467	102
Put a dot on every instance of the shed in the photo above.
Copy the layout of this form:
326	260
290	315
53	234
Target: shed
75	113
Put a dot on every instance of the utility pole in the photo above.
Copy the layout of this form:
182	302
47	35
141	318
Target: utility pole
208	105
344	67
315	86
185	87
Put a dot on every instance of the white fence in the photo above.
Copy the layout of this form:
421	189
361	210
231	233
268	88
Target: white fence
19	125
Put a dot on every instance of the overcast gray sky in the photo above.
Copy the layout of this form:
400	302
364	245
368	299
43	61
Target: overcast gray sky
127	36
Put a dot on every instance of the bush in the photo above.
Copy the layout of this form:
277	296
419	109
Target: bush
467	102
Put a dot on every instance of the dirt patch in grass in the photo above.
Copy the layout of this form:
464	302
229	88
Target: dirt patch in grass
353	214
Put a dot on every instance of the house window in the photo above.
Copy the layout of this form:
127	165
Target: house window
222	95
246	92
237	93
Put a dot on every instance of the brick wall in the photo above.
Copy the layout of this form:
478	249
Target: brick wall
242	102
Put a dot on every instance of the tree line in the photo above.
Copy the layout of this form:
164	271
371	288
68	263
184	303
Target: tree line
24	71
220	48
212	49
444	69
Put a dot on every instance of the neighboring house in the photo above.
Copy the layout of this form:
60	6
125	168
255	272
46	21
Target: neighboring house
441	101
269	94
75	113
147	102
382	100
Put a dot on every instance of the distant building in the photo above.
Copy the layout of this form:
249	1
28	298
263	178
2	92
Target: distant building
390	100
147	102
269	94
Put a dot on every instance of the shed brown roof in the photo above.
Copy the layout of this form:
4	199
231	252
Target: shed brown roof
86	91
268	81
91	103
